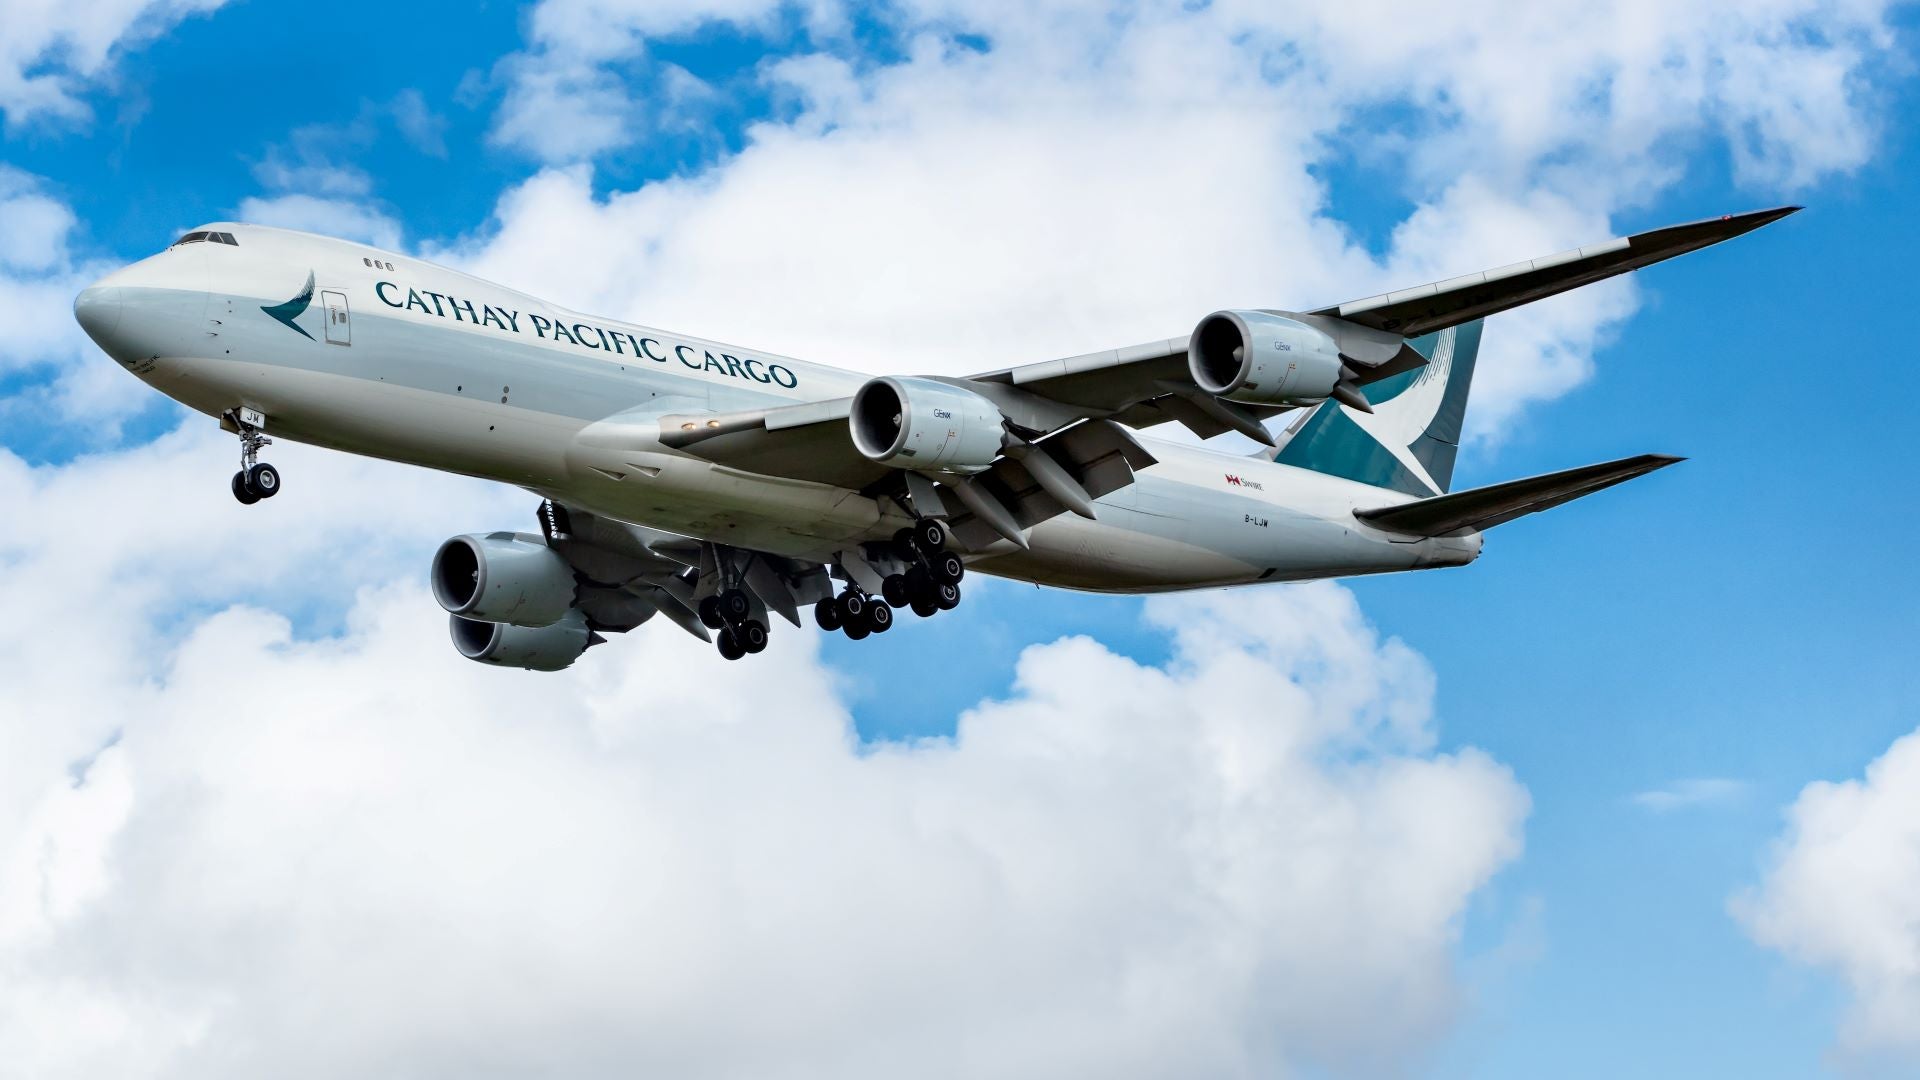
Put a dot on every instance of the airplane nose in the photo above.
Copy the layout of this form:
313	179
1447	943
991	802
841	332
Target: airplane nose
98	311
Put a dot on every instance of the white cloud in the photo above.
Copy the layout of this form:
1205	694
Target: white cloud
1097	178
348	218
310	160
423	128
40	273
33	225
317	855
572	95
559	111
1841	892
52	50
1692	792
323	855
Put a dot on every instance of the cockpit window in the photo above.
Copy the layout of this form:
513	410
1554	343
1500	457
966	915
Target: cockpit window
207	237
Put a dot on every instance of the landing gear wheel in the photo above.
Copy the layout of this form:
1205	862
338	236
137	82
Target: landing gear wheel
919	582
948	568
734	606
752	635
256	480
826	615
730	646
710	613
924	607
948	597
855	630
853	611
929	536
879	618
893	589
264	480
904	546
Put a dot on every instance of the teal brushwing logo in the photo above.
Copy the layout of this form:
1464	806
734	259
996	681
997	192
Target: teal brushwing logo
294	308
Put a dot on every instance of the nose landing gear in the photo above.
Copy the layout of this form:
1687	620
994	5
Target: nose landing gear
256	479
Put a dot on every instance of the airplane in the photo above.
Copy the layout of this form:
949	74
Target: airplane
716	486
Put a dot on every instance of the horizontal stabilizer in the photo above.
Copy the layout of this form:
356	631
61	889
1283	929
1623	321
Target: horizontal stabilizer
1427	308
1483	508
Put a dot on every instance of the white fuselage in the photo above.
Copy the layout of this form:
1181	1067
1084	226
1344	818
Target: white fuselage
404	360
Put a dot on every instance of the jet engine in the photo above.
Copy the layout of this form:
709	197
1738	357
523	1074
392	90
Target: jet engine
1266	359
537	648
503	577
926	425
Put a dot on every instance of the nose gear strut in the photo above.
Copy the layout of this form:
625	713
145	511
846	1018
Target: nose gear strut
256	479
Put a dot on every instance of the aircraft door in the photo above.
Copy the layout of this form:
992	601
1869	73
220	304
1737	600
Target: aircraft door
338	328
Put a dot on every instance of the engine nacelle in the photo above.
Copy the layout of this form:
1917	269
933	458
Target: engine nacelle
536	648
926	426
503	577
1263	359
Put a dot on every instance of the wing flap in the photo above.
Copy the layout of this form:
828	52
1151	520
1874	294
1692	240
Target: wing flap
1483	508
1099	455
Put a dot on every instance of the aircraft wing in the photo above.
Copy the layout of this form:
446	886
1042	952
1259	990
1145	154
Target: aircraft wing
1142	385
1062	470
1429	308
1134	384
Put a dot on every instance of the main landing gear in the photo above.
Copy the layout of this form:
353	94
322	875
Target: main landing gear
731	613
929	583
854	613
256	479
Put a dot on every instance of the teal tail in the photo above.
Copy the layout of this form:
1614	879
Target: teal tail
1409	441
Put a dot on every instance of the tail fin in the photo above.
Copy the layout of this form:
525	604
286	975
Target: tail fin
1409	441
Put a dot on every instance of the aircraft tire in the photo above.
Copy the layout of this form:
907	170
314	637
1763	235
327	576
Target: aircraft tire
948	569
853	610
949	597
826	615
929	536
734	606
752	636
925	608
264	480
894	590
855	631
879	617
710	613
242	492
903	545
730	646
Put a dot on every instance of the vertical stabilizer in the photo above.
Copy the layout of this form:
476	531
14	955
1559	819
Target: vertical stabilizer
1409	441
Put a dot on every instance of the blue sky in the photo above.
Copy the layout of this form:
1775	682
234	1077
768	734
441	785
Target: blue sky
1745	619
